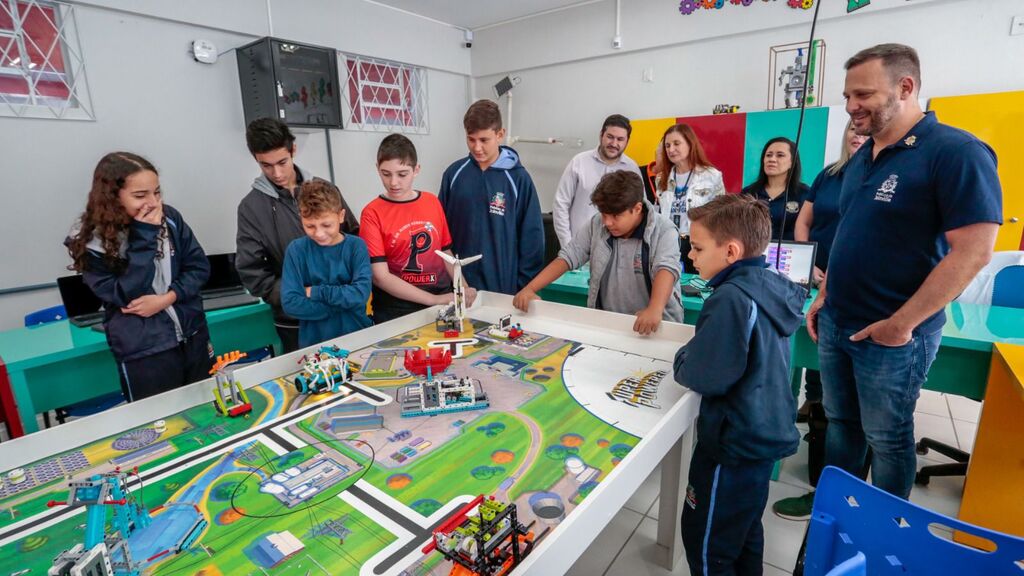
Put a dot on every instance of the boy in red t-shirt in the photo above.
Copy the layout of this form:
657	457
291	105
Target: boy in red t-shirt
402	228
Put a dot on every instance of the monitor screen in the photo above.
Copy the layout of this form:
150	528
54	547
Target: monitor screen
797	262
222	272
77	297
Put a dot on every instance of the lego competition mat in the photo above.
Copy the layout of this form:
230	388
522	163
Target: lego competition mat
352	481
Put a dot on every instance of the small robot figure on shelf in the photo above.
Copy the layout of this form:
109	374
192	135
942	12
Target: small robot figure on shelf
324	371
491	542
229	396
449	318
505	330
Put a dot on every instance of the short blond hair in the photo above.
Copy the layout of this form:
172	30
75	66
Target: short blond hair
737	217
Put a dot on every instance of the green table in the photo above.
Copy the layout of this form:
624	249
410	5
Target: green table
58	364
961	366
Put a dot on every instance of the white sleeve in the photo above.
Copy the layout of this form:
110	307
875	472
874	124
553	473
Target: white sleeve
563	201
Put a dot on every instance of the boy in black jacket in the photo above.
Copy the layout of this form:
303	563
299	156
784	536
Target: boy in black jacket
738	360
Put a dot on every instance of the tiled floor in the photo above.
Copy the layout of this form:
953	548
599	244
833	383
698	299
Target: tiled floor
626	546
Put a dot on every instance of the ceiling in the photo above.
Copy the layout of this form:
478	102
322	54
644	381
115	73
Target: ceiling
476	13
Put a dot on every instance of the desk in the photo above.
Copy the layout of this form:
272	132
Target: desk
995	475
961	366
395	477
57	364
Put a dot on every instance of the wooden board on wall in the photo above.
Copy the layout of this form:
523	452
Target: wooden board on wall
996	119
722	137
763	126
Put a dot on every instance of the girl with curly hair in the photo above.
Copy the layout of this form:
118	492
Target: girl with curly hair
141	259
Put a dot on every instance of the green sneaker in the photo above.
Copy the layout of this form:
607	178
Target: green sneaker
796	508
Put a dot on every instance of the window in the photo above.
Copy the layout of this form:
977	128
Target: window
42	72
384	96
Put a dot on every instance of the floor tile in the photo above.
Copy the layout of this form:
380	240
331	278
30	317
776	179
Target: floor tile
938	428
607	545
645	495
782	538
964	408
933	403
965	432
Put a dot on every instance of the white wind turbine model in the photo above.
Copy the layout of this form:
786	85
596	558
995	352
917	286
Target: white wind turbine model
458	287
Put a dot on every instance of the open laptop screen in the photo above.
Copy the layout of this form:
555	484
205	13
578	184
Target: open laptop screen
77	297
223	275
797	260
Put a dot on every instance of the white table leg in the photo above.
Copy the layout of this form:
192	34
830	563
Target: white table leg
674	469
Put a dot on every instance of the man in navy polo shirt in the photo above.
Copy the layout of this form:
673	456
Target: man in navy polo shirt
919	210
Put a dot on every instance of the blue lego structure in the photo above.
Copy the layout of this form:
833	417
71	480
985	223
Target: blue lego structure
324	370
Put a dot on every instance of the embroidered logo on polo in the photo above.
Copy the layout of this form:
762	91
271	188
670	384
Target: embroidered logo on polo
497	205
792	207
910	140
887	189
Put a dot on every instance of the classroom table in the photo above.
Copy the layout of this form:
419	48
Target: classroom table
548	398
57	364
961	366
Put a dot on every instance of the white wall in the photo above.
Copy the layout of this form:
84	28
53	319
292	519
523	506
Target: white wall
572	78
150	97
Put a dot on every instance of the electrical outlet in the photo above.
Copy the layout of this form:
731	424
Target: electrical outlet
1017	26
648	75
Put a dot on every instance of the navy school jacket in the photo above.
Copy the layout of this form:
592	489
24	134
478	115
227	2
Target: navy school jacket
495	213
131	336
738	360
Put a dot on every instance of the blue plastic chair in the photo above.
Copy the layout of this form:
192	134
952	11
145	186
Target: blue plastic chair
46	315
1008	287
894	535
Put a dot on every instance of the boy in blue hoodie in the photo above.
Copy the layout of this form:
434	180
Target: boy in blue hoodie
738	360
492	208
327	277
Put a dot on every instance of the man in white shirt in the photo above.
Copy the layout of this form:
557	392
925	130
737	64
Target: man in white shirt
573	208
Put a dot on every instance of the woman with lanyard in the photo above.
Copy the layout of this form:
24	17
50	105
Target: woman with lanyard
687	180
780	168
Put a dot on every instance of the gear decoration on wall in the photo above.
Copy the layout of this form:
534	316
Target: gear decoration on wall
687	7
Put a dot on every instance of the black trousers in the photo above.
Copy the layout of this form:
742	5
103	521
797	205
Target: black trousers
289	336
190	361
684	255
721	521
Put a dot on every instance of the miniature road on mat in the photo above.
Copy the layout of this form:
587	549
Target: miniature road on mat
356	481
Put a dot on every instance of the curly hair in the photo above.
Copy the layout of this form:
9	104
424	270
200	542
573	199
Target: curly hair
104	216
318	197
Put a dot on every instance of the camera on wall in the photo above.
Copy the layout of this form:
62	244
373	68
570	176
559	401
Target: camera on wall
468	36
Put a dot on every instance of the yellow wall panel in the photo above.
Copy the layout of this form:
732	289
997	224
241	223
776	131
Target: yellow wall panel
996	119
645	137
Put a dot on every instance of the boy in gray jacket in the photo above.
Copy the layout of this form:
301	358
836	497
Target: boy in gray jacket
633	255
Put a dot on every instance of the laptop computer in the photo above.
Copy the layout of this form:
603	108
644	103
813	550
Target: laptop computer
83	307
224	288
797	261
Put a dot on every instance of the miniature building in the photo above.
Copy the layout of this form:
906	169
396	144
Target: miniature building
280	546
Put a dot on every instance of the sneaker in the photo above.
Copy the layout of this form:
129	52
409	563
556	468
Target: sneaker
796	508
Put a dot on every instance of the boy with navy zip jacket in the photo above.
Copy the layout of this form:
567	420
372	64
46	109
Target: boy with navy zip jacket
738	360
491	206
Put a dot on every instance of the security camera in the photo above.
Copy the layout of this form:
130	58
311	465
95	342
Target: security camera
468	36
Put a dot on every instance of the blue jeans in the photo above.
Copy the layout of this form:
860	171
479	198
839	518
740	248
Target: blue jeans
870	392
